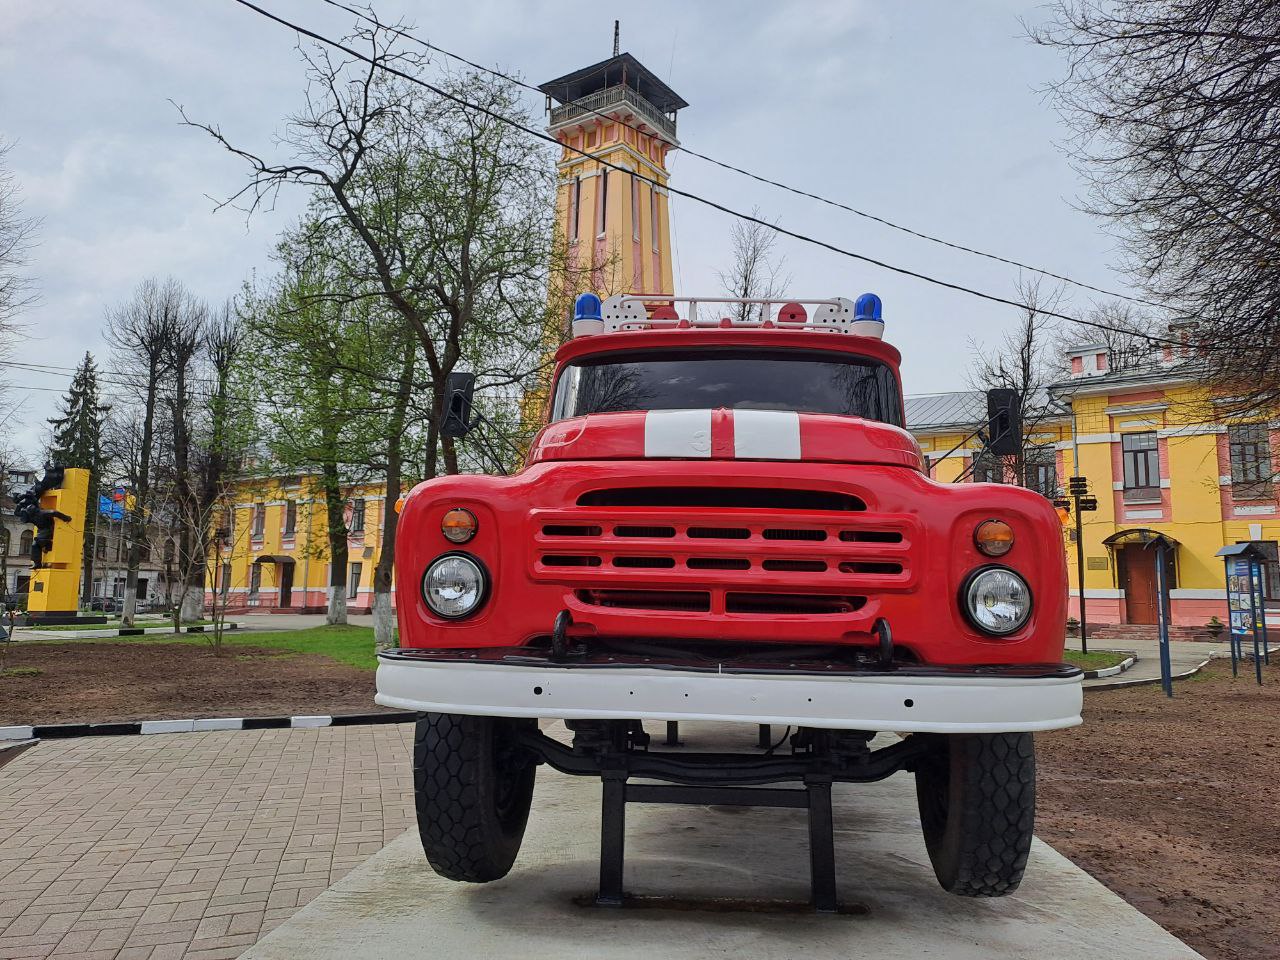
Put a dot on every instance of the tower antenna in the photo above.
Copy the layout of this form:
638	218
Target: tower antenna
615	37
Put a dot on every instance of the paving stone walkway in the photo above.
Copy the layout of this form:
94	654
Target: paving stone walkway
192	845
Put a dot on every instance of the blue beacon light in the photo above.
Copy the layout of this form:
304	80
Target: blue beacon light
587	307
588	318
866	307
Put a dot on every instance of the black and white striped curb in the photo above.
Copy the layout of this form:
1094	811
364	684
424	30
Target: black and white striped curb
1144	681
54	731
44	633
1120	667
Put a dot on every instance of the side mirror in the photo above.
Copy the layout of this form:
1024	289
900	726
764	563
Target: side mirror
459	390
1004	418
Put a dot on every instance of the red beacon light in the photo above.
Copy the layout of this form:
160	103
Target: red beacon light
636	311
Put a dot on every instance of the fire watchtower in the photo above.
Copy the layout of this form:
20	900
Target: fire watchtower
617	225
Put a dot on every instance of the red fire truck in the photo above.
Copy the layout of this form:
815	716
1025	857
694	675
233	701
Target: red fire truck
724	519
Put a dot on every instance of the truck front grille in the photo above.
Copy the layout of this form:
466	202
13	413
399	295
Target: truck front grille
749	552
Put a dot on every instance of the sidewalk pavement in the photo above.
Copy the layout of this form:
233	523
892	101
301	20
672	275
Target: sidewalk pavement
1184	656
160	848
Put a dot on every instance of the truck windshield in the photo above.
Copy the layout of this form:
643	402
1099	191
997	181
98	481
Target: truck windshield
750	379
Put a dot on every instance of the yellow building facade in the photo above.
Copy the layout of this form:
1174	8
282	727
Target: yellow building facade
1162	461
271	549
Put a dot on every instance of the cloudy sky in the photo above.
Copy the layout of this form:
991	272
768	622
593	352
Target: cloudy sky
927	113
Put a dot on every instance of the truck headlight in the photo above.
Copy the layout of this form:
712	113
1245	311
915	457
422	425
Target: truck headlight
454	586
996	600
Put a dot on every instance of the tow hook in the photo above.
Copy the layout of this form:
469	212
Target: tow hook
559	636
881	629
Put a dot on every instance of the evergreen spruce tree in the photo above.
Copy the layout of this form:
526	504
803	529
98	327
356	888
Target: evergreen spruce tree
77	442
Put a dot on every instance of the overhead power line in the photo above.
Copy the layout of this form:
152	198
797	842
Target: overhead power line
759	178
715	205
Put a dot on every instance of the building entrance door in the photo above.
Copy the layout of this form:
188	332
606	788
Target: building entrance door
286	584
1139	583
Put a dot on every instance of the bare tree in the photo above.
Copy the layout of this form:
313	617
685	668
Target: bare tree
757	273
1024	363
186	341
1122	329
1174	103
449	208
140	333
17	233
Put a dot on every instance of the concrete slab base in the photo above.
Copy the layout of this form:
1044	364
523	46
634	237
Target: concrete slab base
394	906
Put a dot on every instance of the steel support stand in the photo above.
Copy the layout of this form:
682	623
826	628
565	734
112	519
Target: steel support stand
673	733
822	846
765	740
815	797
613	834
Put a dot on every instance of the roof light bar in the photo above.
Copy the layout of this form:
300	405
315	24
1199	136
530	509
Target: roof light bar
657	311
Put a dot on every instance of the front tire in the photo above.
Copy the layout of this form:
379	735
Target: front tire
472	791
977	798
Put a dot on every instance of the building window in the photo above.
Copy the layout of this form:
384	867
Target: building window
168	551
6	541
1251	470
24	543
226	578
602	202
290	518
653	216
1270	571
353	581
255	581
100	547
575	205
1141	466
987	468
1040	471
259	520
635	208
357	516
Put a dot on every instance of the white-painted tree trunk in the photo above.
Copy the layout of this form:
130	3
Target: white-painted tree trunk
129	607
337	612
384	623
192	604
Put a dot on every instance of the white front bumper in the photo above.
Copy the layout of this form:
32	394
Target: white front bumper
892	702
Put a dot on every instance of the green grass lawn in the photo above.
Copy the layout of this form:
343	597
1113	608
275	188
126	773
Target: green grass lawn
345	644
1094	659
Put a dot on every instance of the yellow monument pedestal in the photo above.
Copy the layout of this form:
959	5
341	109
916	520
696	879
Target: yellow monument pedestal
55	586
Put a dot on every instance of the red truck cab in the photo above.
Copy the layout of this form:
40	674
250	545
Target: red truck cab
726	519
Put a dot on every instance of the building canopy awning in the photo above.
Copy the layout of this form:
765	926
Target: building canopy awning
1248	549
1140	537
279	558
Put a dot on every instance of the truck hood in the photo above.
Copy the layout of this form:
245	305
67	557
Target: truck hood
724	434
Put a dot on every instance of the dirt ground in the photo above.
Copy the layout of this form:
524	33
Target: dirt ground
1175	805
97	682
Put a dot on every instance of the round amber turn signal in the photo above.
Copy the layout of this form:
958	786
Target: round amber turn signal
993	537
458	525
